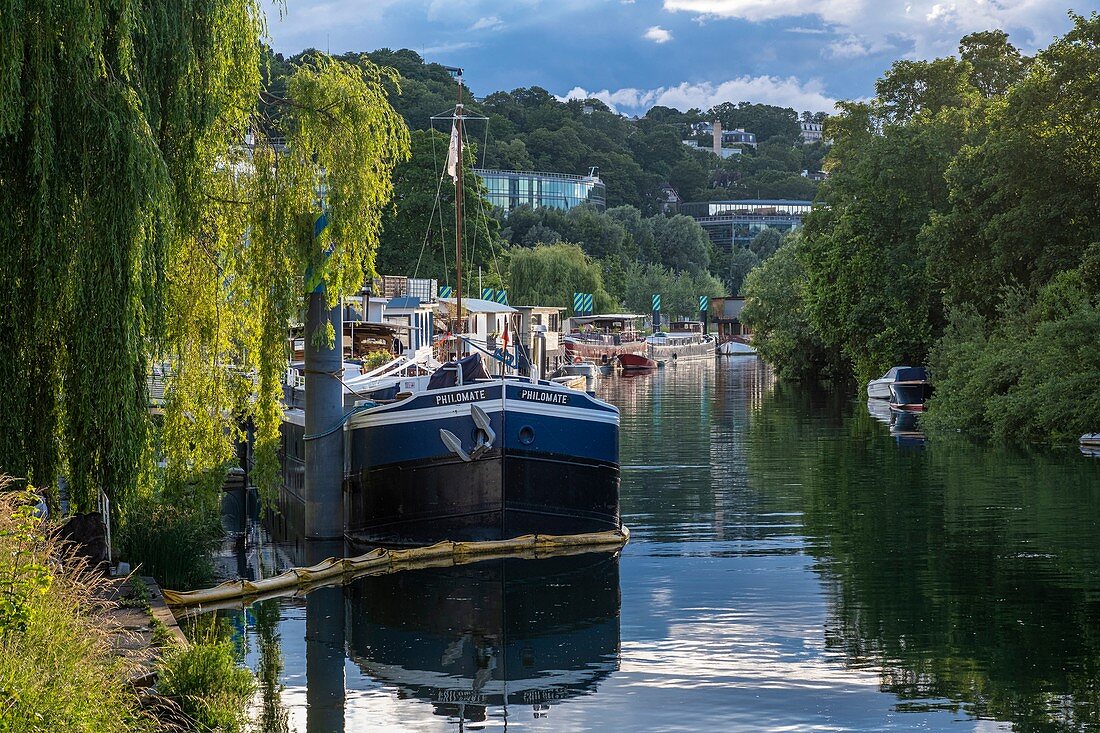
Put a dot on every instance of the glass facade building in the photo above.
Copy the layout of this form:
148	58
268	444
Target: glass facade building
510	189
730	223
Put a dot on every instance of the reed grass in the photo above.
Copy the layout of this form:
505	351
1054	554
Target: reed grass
173	542
57	669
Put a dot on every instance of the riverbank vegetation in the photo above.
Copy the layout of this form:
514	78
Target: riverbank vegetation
58	668
960	229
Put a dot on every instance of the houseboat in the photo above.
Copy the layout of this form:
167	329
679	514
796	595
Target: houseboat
461	454
733	336
685	341
605	339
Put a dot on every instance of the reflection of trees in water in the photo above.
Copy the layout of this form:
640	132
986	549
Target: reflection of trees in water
682	448
968	577
273	714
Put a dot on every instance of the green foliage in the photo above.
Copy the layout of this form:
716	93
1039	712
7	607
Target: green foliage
530	129
775	309
376	359
1029	375
767	121
550	274
419	228
57	669
89	230
171	539
766	243
206	682
741	262
960	210
23	577
670	253
134	249
681	243
679	291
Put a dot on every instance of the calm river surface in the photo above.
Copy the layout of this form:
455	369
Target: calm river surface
793	566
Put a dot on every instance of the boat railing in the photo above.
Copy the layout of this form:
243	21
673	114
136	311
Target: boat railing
608	339
417	364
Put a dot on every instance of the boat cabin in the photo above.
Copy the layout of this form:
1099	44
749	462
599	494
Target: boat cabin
725	314
484	323
417	315
360	339
689	328
613	328
534	319
364	309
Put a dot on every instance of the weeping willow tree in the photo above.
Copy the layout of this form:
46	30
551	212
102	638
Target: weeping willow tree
135	227
342	140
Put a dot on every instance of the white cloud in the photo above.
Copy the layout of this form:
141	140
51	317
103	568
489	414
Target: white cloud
852	47
921	28
488	23
784	92
450	47
658	34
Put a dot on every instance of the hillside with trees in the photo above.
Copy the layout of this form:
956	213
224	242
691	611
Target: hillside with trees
531	129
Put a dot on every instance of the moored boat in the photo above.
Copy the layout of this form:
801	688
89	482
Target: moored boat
685	342
636	362
736	346
604	338
474	457
452	453
879	389
585	371
910	388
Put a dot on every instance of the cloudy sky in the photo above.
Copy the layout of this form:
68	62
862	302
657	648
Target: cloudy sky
682	53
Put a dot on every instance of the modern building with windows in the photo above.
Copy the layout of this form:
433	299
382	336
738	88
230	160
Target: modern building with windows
511	189
730	223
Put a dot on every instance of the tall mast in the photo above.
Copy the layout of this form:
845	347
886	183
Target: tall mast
459	322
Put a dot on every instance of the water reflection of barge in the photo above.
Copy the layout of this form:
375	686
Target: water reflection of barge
496	633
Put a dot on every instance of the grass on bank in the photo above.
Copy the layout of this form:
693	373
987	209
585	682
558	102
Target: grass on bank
57	669
173	541
206	683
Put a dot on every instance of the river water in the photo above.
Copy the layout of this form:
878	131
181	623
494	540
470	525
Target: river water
796	564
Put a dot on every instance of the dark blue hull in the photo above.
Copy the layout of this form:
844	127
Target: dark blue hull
909	396
546	464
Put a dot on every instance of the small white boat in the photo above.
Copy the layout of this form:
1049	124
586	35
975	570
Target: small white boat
1090	444
735	348
569	374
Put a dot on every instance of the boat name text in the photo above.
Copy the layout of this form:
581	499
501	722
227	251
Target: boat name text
536	396
454	398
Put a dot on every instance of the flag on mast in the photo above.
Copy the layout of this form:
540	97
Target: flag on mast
452	154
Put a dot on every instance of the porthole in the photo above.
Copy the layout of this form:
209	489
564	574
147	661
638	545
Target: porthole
527	435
